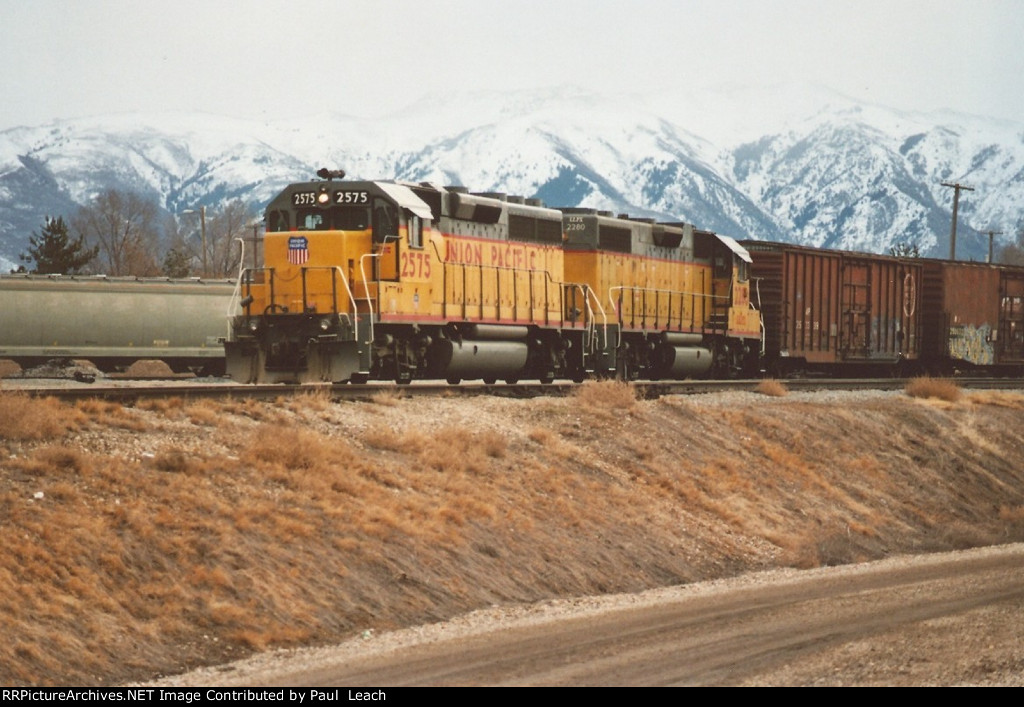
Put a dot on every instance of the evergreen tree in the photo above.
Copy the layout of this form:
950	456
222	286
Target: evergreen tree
53	251
177	263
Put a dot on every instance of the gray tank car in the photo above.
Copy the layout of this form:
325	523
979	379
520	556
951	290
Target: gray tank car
114	322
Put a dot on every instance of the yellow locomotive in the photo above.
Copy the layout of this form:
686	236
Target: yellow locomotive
399	281
679	297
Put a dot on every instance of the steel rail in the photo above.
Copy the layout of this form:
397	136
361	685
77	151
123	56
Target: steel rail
133	391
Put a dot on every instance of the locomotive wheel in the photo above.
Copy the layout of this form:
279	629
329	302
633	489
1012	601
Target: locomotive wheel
454	381
490	381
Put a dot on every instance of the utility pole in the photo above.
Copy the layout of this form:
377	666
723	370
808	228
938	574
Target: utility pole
991	235
957	186
202	232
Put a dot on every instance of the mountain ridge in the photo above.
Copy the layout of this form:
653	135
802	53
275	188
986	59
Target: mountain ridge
826	171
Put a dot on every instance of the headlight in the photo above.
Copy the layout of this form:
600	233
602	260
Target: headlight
254	325
323	198
325	325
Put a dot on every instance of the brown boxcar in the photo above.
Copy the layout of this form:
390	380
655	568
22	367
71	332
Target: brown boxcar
973	316
835	310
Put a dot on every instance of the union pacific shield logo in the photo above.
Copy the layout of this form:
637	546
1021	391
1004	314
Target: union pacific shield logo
298	250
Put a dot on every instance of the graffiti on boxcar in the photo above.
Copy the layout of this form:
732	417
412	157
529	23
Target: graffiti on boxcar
972	344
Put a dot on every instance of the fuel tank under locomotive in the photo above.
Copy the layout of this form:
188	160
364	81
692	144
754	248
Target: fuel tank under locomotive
680	355
483	351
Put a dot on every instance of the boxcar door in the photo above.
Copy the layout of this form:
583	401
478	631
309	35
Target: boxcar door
855	309
1010	344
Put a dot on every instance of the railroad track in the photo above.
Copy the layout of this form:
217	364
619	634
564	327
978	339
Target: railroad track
128	391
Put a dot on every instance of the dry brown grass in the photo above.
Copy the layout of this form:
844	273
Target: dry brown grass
290	448
998	398
937	388
312	524
173	460
165	406
208	413
248	407
104	413
607	398
387	397
23	417
315	399
772	387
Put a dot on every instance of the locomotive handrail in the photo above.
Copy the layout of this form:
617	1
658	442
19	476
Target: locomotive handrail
236	293
334	290
246	277
366	288
588	293
760	313
481	268
645	290
351	297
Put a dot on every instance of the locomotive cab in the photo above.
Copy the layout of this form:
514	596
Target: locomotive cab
334	253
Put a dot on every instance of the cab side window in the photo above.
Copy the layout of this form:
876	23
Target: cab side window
415	232
385	220
278	221
723	262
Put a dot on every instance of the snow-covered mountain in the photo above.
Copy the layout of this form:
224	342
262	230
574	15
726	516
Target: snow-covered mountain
791	163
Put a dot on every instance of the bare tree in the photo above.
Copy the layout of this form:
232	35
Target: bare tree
223	226
123	226
1013	254
905	250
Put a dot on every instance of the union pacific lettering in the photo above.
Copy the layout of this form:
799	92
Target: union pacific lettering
496	254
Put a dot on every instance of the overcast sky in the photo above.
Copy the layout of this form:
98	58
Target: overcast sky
71	58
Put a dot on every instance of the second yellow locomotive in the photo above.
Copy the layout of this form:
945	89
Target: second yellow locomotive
399	281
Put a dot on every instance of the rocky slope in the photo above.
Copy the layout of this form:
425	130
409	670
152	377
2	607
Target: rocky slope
152	539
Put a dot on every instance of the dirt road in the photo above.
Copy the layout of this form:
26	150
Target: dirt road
948	619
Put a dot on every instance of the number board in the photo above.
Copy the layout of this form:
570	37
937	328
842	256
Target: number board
351	197
304	198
